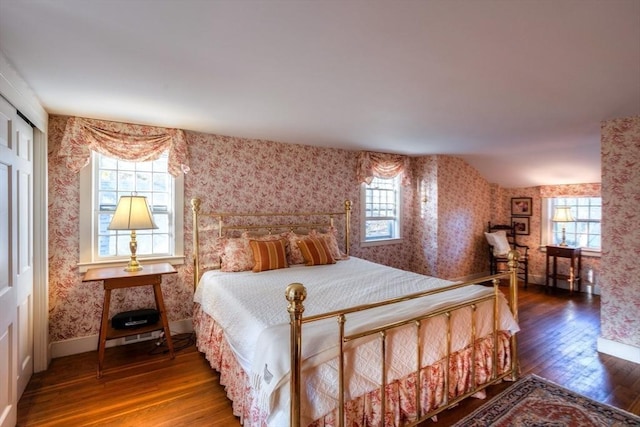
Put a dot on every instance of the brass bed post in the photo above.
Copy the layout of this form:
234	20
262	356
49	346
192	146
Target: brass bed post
347	226
195	209
513	303
296	294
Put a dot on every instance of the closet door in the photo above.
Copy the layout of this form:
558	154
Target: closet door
16	260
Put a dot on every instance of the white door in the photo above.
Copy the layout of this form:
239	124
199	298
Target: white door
16	260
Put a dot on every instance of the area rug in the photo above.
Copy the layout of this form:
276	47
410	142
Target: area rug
534	401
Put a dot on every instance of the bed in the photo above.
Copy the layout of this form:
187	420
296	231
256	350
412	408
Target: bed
347	342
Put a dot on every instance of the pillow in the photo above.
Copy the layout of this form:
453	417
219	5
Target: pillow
294	256
498	240
331	241
315	251
268	254
236	254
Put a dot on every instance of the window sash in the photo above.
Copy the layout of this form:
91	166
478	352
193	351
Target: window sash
116	178
381	210
89	223
585	231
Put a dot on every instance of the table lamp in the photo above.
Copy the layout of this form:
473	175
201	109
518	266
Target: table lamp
563	214
132	213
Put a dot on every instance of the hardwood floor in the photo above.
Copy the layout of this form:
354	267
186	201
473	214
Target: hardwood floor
139	388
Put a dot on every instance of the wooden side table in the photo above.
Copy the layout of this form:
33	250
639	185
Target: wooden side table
117	278
575	257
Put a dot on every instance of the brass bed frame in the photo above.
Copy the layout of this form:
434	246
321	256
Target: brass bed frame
296	293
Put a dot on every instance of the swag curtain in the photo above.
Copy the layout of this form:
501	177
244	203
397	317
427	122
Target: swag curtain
135	143
383	165
571	190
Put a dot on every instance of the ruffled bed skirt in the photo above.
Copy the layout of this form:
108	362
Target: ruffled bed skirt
364	410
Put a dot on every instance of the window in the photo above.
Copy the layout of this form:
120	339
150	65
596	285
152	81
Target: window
102	185
585	230
381	210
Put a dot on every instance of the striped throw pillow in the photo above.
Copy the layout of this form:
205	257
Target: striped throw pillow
315	251
268	255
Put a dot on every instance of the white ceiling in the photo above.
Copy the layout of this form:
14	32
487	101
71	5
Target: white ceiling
517	88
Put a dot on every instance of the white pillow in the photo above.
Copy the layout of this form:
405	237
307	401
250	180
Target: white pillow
498	240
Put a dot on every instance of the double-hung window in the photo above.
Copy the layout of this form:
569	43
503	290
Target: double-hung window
585	229
381	202
103	184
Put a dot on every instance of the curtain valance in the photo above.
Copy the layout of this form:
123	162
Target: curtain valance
571	190
135	143
383	165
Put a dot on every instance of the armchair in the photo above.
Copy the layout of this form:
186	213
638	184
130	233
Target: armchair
501	239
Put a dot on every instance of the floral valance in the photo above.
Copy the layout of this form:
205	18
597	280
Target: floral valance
383	165
571	190
135	143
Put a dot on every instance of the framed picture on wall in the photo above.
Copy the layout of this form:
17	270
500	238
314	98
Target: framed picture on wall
521	206
521	224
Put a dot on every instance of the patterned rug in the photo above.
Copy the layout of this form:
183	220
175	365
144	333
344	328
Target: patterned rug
534	401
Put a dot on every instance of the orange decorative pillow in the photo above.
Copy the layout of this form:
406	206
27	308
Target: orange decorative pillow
315	251
268	255
331	240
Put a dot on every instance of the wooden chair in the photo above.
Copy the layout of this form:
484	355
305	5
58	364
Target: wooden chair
498	262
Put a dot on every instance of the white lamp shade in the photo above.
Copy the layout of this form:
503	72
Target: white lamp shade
132	213
563	214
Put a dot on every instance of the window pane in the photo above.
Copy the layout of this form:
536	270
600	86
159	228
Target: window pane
379	229
107	163
108	180
126	166
143	181
103	223
107	246
107	200
161	243
126	181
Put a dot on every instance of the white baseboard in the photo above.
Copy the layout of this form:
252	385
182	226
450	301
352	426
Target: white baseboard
620	350
90	343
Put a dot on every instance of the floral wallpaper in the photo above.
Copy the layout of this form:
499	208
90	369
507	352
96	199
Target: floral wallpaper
229	174
445	211
452	214
621	234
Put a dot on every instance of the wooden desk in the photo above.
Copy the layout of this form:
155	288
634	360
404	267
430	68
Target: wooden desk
117	278
575	257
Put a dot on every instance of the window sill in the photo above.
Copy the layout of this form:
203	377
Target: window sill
173	260
590	253
381	242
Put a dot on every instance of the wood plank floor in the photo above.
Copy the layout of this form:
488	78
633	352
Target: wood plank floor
140	388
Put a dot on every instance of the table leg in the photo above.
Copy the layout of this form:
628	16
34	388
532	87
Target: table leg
104	323
157	291
571	277
546	275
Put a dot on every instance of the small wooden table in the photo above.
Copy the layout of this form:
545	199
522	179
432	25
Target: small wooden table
117	278
575	256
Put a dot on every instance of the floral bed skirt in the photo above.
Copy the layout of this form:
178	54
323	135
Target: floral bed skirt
366	409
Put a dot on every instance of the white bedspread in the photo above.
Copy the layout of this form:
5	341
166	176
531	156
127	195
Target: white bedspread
251	308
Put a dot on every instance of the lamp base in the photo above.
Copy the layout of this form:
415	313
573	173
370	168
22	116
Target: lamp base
133	265
563	244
